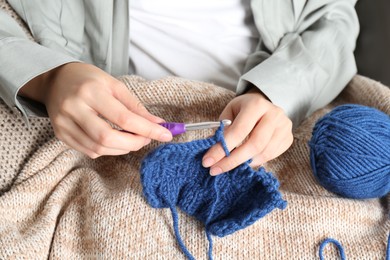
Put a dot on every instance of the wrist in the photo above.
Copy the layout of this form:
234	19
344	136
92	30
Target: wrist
253	89
35	88
38	88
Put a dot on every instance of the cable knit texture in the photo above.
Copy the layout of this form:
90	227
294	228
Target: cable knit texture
56	203
173	175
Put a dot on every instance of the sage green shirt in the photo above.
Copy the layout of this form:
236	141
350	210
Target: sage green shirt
303	60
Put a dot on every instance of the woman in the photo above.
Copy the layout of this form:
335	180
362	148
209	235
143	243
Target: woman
285	59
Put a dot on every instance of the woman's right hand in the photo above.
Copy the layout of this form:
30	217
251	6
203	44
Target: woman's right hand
78	95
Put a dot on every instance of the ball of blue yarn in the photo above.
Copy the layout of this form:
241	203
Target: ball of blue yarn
350	152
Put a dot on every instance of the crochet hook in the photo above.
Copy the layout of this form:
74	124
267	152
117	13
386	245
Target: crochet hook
180	128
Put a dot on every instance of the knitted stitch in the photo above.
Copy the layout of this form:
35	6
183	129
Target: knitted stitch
59	204
173	175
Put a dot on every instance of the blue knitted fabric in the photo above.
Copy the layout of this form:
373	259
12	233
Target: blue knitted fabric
173	176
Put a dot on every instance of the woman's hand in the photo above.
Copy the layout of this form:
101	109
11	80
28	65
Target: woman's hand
260	131
77	96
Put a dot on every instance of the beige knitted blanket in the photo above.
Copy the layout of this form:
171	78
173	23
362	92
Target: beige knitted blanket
57	203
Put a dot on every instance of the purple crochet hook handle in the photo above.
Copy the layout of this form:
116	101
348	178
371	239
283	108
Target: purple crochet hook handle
180	128
175	128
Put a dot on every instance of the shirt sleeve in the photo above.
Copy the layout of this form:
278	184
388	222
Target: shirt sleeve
21	61
305	55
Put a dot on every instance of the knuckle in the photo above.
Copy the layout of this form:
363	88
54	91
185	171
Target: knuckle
257	101
151	133
93	155
104	137
66	106
231	163
134	104
216	152
266	156
139	106
84	89
257	145
124	120
58	122
55	121
98	150
289	125
286	129
118	85
290	140
215	149
238	133
136	147
279	112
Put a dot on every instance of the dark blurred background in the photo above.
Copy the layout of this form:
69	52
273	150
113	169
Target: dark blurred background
373	45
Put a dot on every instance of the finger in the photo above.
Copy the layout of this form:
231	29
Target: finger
83	139
115	112
103	134
227	114
260	137
240	155
234	136
132	103
262	133
264	143
279	149
72	143
74	136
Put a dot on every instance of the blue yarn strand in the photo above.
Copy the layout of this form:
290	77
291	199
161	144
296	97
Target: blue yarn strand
210	216
210	239
221	139
175	218
388	248
341	249
336	243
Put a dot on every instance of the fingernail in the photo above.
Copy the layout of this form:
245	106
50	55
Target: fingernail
215	171
207	162
165	137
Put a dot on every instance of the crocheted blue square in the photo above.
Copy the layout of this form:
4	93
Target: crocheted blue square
173	176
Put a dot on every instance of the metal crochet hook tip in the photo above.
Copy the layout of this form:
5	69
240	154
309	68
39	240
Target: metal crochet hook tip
179	128
206	125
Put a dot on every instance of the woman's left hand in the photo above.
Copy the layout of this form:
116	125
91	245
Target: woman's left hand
260	131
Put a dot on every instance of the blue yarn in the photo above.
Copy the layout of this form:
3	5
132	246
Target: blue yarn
336	243
388	248
175	218
173	176
209	238
341	249
350	152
